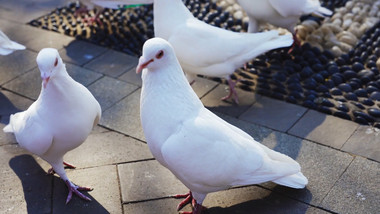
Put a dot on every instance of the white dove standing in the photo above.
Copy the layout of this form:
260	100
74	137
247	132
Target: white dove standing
7	46
205	152
280	13
59	120
205	49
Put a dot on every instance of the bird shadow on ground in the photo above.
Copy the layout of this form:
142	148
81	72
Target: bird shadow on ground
6	109
47	194
271	203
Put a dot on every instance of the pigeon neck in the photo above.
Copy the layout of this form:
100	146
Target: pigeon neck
168	14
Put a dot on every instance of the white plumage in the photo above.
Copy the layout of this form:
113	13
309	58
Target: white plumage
206	153
204	49
59	120
280	13
7	46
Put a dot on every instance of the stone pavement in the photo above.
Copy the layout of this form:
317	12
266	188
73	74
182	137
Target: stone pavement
339	157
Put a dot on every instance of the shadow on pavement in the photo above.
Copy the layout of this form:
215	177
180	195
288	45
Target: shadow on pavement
47	194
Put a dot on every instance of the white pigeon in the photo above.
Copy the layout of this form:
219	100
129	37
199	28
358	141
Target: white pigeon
205	152
99	5
59	120
7	46
280	13
205	49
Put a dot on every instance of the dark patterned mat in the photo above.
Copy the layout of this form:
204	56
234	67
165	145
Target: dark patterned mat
346	86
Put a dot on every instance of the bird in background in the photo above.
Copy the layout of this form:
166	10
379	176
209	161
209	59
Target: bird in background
202	150
203	49
281	13
7	46
59	120
88	5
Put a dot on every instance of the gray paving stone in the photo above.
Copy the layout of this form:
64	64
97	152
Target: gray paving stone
12	103
105	196
202	86
147	180
274	114
252	199
167	206
357	191
124	117
23	13
131	77
28	84
16	64
6	138
213	101
365	142
82	75
107	148
24	186
113	63
315	160
323	129
108	91
80	52
31	38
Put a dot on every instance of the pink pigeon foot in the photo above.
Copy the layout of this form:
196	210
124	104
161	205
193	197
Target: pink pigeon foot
197	208
94	19
233	93
52	172
75	189
296	42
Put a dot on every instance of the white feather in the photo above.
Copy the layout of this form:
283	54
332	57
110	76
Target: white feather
7	46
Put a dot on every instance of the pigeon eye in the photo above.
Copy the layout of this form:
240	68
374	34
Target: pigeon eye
160	54
56	62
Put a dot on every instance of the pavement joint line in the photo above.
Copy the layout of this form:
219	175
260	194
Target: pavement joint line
340	176
303	114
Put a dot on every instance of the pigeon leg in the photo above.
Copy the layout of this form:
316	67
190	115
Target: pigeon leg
75	189
92	20
52	172
232	92
296	42
197	208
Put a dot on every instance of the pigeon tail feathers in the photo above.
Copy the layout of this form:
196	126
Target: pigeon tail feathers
274	43
8	129
297	181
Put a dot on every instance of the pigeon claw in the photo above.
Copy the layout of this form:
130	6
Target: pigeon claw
188	197
232	92
69	165
75	189
197	208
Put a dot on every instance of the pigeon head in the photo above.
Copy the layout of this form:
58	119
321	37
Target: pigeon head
157	53
49	62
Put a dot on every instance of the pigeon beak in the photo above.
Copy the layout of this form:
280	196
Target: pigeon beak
45	79
142	64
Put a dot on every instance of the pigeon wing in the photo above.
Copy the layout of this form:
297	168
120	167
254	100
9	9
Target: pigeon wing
196	38
30	132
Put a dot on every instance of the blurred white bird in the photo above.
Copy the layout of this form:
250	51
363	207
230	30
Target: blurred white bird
59	120
205	152
7	46
280	13
204	49
99	5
